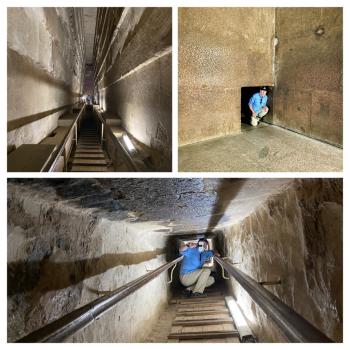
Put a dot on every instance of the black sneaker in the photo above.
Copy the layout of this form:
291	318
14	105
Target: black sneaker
187	292
196	294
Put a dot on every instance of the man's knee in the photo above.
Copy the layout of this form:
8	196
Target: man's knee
211	280
206	271
264	112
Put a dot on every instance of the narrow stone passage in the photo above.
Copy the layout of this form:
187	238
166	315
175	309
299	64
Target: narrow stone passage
65	61
75	245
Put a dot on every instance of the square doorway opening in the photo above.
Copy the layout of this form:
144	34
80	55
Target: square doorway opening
246	93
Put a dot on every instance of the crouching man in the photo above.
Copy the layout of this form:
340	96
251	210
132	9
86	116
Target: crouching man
192	274
257	105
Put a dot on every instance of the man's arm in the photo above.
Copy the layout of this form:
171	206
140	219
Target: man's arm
252	110
182	247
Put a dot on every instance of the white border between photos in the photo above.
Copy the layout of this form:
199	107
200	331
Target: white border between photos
174	4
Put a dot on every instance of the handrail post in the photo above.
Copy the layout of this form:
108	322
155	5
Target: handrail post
295	327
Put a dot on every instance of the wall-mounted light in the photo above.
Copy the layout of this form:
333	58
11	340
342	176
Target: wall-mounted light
245	333
128	143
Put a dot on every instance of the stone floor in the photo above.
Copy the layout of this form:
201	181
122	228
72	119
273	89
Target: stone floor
264	148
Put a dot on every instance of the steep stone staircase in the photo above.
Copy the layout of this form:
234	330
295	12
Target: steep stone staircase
89	155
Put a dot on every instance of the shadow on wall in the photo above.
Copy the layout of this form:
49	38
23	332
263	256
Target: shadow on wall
226	192
24	276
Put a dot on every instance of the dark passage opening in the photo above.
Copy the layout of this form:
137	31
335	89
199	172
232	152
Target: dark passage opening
246	93
173	252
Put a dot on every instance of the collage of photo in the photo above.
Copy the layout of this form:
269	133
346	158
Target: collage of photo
204	200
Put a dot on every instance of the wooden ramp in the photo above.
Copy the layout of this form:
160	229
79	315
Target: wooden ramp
202	319
89	155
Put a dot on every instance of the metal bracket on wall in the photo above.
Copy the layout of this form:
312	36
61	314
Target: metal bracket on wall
270	283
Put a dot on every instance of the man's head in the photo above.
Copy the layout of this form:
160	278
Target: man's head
263	91
202	244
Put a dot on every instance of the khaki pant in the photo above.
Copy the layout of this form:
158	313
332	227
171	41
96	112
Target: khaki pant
197	280
255	120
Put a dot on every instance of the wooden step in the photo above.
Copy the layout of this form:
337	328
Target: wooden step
229	339
216	296
202	317
89	146
202	309
85	150
200	306
80	168
201	302
89	150
88	161
203	322
89	138
92	144
199	313
89	155
203	332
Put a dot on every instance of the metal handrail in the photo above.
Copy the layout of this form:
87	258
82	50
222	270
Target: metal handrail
293	325
69	324
50	165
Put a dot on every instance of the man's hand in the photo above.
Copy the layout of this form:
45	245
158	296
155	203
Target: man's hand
216	253
265	109
254	114
192	245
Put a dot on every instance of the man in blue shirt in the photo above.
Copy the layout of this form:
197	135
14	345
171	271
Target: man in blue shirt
192	274
257	105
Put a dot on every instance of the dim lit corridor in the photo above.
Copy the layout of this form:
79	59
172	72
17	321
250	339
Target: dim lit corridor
110	66
97	260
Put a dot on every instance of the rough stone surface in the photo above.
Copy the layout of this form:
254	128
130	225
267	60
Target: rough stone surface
135	83
70	240
266	148
44	71
296	236
61	257
220	51
309	72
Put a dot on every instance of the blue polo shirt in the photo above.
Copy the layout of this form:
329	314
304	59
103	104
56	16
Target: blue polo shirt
258	102
193	259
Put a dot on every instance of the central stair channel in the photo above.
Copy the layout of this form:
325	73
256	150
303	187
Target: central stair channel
89	155
204	319
201	319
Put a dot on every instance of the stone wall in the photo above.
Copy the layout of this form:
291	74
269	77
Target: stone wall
45	56
134	80
295	236
62	256
309	68
70	238
220	51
